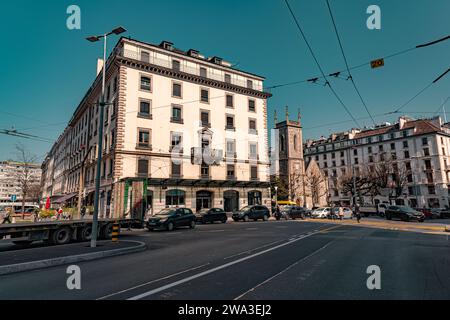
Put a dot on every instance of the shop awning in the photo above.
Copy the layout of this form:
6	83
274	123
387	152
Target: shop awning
65	198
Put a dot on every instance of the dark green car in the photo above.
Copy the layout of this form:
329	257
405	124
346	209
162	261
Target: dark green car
170	219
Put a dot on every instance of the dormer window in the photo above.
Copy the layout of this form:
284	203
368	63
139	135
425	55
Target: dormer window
166	45
216	60
193	53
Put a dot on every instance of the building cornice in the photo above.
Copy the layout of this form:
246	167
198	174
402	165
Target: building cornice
147	67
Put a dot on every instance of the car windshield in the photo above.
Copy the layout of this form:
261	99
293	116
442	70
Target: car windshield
166	212
246	208
407	209
287	208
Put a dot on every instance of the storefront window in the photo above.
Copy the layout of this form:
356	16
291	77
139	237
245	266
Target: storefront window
175	198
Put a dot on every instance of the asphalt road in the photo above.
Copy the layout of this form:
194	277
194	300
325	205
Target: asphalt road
256	261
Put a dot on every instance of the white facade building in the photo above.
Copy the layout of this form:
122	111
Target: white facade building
420	146
180	130
10	175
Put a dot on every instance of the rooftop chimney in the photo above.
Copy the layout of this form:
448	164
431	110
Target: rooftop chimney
99	66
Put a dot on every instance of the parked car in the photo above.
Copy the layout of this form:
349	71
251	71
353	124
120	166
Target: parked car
379	210
292	212
211	216
428	213
441	213
252	213
404	213
320	213
348	213
170	219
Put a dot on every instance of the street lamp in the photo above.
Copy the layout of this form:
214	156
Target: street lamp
276	196
116	31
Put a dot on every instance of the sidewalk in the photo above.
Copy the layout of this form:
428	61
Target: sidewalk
44	257
426	227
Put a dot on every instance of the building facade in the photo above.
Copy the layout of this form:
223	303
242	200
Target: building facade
180	129
13	175
417	149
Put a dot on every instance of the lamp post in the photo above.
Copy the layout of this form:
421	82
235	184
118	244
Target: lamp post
276	196
116	31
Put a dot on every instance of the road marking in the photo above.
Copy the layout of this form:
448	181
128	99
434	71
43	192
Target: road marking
207	272
252	229
153	281
251	250
283	271
212	231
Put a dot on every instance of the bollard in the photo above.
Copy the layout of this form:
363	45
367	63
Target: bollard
115	232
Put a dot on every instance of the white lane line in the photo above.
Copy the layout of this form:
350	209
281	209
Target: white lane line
207	272
153	281
212	231
252	250
251	229
280	273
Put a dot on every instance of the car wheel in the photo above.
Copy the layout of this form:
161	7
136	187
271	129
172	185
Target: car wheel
170	226
224	220
246	219
235	220
192	225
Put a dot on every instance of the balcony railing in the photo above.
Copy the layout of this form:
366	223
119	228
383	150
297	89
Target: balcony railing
219	76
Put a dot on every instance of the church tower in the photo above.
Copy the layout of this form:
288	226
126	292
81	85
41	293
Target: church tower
291	165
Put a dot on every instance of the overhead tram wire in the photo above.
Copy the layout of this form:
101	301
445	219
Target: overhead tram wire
318	64
15	133
346	64
419	93
362	64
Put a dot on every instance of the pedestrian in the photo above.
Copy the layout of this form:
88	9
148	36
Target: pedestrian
59	213
7	217
341	213
357	213
278	213
83	212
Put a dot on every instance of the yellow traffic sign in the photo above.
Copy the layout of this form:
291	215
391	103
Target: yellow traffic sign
377	63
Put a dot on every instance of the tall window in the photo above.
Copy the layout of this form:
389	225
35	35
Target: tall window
251	105
145	108
176	140
252	127
254	172
227	78
231	148
253	150
146	83
230	123
204	95
144	138
230	171
177	115
204	118
250	84
230	102
176	65
145	56
204	171
203	72
176	90
142	167
176	169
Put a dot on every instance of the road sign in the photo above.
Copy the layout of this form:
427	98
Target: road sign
377	63
13	198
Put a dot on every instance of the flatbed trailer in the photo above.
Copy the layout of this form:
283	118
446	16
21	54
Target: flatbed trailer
61	231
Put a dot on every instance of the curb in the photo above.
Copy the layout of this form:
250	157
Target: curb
42	264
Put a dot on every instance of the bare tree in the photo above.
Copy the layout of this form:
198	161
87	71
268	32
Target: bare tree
28	183
317	186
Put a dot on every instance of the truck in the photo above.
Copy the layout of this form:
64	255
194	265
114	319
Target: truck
379	209
60	232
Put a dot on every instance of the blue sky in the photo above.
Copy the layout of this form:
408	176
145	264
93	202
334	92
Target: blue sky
46	68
